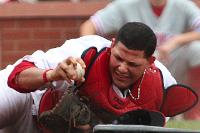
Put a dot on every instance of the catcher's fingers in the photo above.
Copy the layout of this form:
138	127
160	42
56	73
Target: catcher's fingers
66	76
71	60
74	68
58	74
74	61
69	69
61	71
79	67
81	62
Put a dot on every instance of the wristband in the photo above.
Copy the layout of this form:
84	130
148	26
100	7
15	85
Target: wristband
44	75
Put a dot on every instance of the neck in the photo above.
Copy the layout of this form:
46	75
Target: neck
158	2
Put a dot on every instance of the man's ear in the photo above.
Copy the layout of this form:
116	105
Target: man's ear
151	59
113	42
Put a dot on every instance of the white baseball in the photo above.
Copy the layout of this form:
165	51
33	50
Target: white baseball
80	71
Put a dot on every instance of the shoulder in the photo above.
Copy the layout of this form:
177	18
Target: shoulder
88	41
123	3
163	69
167	77
183	3
159	65
126	1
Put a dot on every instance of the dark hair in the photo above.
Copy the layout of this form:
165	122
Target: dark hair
137	36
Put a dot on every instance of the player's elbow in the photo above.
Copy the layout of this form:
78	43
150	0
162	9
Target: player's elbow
87	28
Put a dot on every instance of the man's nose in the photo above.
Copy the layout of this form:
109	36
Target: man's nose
123	67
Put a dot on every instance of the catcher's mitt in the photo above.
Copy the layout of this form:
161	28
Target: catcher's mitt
68	113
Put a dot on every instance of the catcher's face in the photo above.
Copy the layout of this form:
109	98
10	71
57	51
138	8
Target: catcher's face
126	65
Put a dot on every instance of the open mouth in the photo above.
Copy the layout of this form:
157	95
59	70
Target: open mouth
121	77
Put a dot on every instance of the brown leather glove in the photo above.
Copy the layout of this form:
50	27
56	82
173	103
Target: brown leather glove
70	112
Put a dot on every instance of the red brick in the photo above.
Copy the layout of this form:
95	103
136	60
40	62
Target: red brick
13	56
29	45
15	34
23	31
8	45
31	23
65	23
46	34
71	34
7	23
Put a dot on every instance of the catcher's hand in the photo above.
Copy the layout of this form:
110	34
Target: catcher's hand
68	116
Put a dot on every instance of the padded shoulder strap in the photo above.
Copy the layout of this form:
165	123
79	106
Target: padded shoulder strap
88	57
178	99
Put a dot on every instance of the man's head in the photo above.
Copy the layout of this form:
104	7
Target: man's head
137	36
131	53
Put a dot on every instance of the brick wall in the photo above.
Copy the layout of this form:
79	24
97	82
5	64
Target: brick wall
25	28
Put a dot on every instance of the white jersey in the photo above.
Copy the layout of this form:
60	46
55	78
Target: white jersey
177	17
15	107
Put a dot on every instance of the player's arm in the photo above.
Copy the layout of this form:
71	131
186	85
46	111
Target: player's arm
32	78
185	38
87	28
175	42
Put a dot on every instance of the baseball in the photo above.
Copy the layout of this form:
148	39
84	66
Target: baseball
80	71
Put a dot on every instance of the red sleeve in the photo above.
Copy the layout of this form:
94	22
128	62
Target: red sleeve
19	68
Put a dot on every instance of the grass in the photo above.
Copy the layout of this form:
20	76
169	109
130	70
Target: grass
182	124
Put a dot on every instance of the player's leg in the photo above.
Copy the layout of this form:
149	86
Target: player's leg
185	67
15	111
193	78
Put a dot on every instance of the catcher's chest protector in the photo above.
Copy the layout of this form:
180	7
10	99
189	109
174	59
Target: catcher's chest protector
98	87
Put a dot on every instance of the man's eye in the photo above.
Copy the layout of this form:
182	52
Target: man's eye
118	58
133	65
